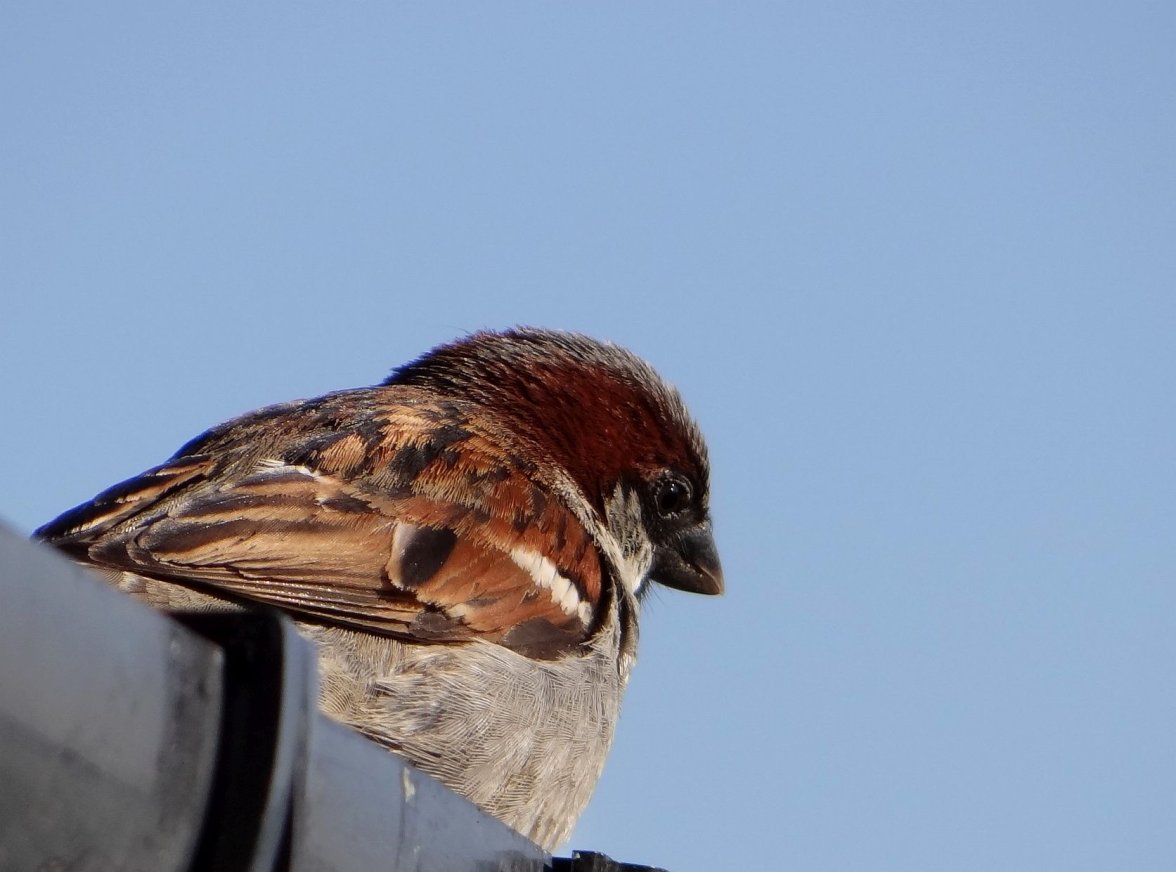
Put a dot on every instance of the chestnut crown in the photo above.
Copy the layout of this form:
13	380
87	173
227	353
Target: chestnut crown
600	411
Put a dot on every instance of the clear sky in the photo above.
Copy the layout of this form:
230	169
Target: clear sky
913	265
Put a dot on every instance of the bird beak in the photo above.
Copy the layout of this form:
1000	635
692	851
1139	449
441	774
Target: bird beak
689	562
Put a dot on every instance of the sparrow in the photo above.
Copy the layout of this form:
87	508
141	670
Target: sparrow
466	543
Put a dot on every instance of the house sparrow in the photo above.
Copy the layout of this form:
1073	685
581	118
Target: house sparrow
466	543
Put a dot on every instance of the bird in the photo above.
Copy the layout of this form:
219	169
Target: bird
467	544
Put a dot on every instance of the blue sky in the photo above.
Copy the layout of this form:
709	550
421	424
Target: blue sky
911	264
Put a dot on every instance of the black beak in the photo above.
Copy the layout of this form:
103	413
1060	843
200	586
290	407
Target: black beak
689	561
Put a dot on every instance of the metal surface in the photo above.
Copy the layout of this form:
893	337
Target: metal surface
271	690
364	810
588	861
109	721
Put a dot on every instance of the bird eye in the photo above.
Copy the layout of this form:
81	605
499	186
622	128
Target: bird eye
672	496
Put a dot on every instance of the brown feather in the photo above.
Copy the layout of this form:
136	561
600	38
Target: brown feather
311	525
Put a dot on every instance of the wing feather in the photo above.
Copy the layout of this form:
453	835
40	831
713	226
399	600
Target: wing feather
394	524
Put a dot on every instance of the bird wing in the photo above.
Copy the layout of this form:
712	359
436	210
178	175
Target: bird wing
382	510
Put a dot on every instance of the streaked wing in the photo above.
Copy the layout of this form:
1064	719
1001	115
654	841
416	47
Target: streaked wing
366	510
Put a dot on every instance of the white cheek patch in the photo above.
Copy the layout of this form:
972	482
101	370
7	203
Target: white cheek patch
634	555
546	575
636	569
